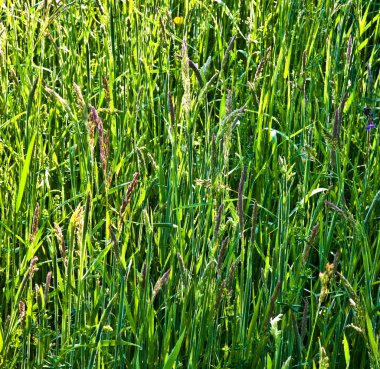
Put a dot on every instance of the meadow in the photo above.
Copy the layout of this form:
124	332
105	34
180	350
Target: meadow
190	184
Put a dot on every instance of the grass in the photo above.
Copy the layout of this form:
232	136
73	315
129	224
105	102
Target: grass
200	193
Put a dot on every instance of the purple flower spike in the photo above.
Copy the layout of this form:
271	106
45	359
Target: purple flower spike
370	126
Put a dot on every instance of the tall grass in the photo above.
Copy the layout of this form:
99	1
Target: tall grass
197	192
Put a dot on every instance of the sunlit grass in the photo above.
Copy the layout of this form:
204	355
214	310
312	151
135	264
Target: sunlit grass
189	184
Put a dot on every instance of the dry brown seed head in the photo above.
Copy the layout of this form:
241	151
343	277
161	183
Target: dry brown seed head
61	242
218	219
106	87
160	283
47	286
349	49
222	253
32	267
231	276
221	292
35	222
171	109
128	194
21	307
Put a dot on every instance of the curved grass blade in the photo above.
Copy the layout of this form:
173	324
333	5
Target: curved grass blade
174	354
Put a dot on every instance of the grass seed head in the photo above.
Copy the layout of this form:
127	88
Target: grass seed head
35	222
274	298
79	96
32	267
304	60
227	53
160	283
221	293
78	222
222	253
240	200
127	197
259	69
334	207
186	99
91	137
103	138
115	243
214	159
21	308
218	218
369	80
229	102
324	359
38	296
143	276
197	72
231	276
61	242
106	87
349	49
65	105
47	286
181	262
309	244
171	109
325	279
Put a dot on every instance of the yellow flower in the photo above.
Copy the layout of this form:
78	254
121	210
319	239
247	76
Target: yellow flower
178	20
